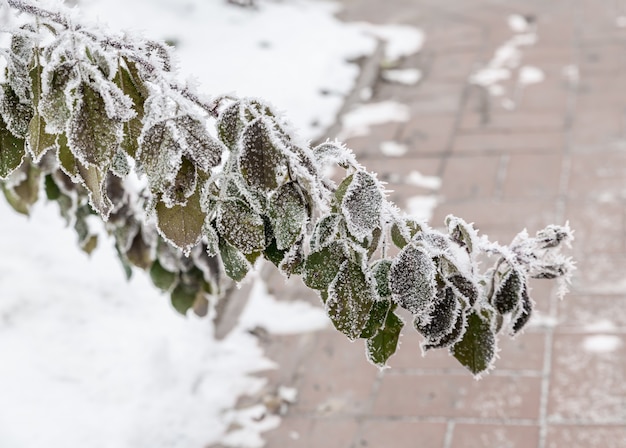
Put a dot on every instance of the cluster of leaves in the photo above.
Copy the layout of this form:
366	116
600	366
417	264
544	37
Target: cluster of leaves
99	123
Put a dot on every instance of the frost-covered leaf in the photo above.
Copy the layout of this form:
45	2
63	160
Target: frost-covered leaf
376	319
130	83
442	319
350	299
38	140
212	239
385	342
241	226
159	155
325	230
523	313
509	292
92	136
477	348
412	280
14	200
181	224
361	205
94	180
288	214
380	272
52	189
183	185
293	260
230	125
465	287
235	264
53	105
28	189
199	146
553	235
321	266
16	115
67	160
119	165
403	232
12	151
462	233
261	163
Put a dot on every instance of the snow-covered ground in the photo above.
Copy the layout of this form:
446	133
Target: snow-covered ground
90	360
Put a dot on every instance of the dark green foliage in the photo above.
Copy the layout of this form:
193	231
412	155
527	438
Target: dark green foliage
384	344
477	348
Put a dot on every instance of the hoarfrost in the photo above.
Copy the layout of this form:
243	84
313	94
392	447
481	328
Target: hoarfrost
362	204
412	281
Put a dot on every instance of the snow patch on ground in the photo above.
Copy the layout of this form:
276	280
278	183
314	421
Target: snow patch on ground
90	359
400	40
419	180
421	207
358	121
602	343
407	76
393	149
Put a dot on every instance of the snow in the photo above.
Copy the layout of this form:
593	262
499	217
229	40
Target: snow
518	23
419	180
421	207
407	76
91	360
530	75
393	149
357	122
401	40
602	343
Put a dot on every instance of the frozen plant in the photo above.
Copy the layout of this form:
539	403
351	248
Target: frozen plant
99	122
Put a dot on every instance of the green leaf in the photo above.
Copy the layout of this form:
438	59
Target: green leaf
67	160
261	163
288	214
376	319
181	224
94	180
15	201
159	155
321	267
293	261
451	338
326	230
412	280
361	205
39	142
161	277
380	272
235	264
52	189
131	84
385	342
241	226
402	233
477	348
212	237
274	254
461	232
139	253
28	188
350	300
11	151
509	293
183	297
92	136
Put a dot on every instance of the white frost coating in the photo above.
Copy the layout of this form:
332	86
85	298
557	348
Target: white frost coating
602	343
518	23
393	149
421	207
249	424
357	122
419	180
280	317
530	75
400	40
407	76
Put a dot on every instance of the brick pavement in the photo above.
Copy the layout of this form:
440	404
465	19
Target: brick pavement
558	155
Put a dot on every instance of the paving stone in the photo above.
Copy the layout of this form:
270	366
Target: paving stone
428	133
490	142
516	121
312	433
467	178
400	434
427	395
588	379
599	227
501	436
586	436
533	176
597	178
592	313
